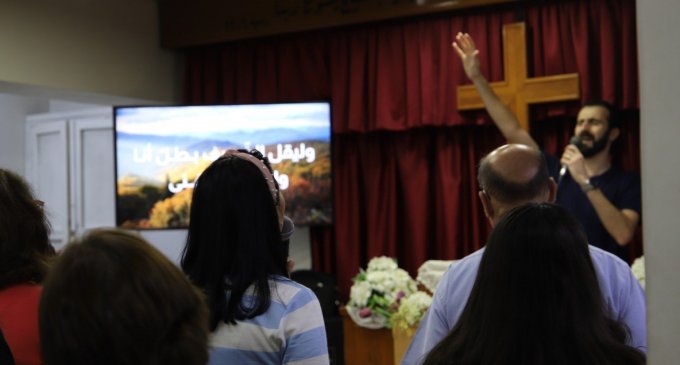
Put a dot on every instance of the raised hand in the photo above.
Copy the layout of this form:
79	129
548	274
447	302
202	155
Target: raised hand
467	51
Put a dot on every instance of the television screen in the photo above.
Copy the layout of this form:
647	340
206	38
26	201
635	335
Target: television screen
161	150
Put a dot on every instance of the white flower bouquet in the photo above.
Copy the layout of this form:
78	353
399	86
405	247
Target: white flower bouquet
376	292
411	310
638	269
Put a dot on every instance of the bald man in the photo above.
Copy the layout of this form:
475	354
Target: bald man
508	177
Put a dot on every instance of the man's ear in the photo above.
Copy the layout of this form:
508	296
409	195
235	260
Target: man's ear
552	190
614	134
486	204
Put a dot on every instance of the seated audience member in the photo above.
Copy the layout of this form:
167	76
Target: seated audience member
234	252
510	176
25	252
113	299
536	299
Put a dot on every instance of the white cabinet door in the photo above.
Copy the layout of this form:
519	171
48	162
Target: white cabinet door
70	164
92	173
47	169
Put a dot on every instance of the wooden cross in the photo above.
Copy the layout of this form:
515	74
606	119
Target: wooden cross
518	91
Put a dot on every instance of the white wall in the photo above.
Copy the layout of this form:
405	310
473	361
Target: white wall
13	112
659	57
109	47
68	54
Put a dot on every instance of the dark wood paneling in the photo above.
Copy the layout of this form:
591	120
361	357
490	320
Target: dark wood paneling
189	23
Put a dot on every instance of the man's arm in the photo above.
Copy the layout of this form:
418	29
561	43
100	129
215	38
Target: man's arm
506	122
619	223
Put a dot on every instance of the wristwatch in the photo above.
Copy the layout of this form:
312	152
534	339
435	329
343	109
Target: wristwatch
588	186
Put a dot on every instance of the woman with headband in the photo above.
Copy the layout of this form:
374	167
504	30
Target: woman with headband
234	252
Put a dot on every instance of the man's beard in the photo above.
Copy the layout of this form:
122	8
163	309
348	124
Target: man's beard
598	144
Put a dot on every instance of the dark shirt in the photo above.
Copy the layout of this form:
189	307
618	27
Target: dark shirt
621	188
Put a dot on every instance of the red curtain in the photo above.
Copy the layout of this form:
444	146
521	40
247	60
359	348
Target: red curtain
404	158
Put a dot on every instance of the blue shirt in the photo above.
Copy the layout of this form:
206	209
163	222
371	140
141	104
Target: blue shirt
291	331
622	294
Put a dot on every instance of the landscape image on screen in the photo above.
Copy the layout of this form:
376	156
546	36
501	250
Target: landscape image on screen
160	151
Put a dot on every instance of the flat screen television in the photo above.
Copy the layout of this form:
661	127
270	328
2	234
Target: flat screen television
161	150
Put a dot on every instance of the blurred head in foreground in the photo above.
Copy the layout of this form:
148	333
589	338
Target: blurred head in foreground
111	298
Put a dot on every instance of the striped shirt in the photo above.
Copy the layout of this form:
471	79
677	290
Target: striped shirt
291	331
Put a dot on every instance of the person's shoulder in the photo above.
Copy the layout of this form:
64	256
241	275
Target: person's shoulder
24	298
474	257
600	255
23	290
618	173
289	291
632	176
467	265
606	261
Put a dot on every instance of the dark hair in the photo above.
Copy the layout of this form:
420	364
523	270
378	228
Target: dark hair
6	357
536	299
25	248
614	119
112	298
234	240
509	192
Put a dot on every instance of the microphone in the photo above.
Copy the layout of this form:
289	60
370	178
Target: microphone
576	141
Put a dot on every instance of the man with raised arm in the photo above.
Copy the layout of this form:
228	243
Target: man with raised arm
510	176
605	199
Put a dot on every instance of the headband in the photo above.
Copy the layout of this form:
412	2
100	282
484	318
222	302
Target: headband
288	227
261	166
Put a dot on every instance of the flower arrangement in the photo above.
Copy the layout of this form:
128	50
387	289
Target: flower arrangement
638	269
411	310
376	292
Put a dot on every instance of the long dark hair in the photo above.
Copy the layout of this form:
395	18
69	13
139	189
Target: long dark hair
234	240
536	299
25	248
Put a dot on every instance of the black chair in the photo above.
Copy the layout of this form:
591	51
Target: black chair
326	290
6	357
